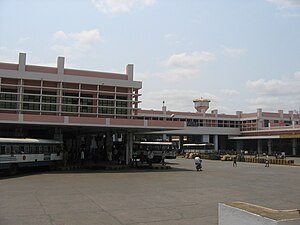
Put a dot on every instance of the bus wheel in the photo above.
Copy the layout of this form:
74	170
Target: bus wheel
13	169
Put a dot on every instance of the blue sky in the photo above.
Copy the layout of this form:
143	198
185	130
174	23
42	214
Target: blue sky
240	54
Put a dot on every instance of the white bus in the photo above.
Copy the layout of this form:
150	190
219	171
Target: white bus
157	147
26	152
202	148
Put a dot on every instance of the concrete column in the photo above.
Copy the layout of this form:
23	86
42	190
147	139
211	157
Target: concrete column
60	65
164	137
58	134
216	142
259	118
239	145
129	72
205	138
129	147
22	62
269	146
20	96
294	146
180	144
109	142
259	146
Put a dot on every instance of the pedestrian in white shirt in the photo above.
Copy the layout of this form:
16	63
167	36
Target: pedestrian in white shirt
198	163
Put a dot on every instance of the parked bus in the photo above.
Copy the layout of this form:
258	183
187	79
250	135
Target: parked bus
157	147
16	153
203	148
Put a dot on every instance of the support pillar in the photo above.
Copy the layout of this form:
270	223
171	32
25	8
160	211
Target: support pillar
180	144
239	145
109	144
269	147
129	147
294	146
164	137
205	138
216	142
58	134
259	146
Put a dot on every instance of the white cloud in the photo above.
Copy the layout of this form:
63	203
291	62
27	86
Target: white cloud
184	60
297	75
265	102
176	74
285	3
230	92
277	93
72	45
60	35
120	6
184	66
234	52
86	37
276	87
8	55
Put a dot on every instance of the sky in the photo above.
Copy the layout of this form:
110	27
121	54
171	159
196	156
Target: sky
240	54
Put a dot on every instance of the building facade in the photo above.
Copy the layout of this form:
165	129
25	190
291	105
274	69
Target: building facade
75	105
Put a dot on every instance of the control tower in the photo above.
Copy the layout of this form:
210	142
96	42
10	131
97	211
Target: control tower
201	104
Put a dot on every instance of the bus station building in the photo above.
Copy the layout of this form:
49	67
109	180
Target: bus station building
99	108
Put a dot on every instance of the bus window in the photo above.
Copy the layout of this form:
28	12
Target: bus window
12	152
2	150
45	149
26	149
22	151
7	149
16	149
36	150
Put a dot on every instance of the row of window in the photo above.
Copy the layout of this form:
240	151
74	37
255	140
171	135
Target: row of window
36	93
71	103
28	149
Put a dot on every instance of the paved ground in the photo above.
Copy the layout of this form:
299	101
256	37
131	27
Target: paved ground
177	196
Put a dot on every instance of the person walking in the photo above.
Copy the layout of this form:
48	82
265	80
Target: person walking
198	163
82	157
109	157
267	161
163	156
234	162
150	157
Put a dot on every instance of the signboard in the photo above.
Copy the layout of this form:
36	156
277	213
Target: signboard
290	136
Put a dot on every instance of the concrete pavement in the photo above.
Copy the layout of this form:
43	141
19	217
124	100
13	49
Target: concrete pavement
180	195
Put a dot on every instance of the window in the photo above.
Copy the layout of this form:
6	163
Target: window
70	102
86	102
2	150
121	107
6	99
31	99
48	98
266	123
106	104
106	110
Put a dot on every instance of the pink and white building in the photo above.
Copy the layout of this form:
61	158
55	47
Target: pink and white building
39	101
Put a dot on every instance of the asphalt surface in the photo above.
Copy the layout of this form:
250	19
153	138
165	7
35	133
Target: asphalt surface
178	196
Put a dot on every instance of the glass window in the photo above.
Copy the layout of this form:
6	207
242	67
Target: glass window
2	149
6	99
